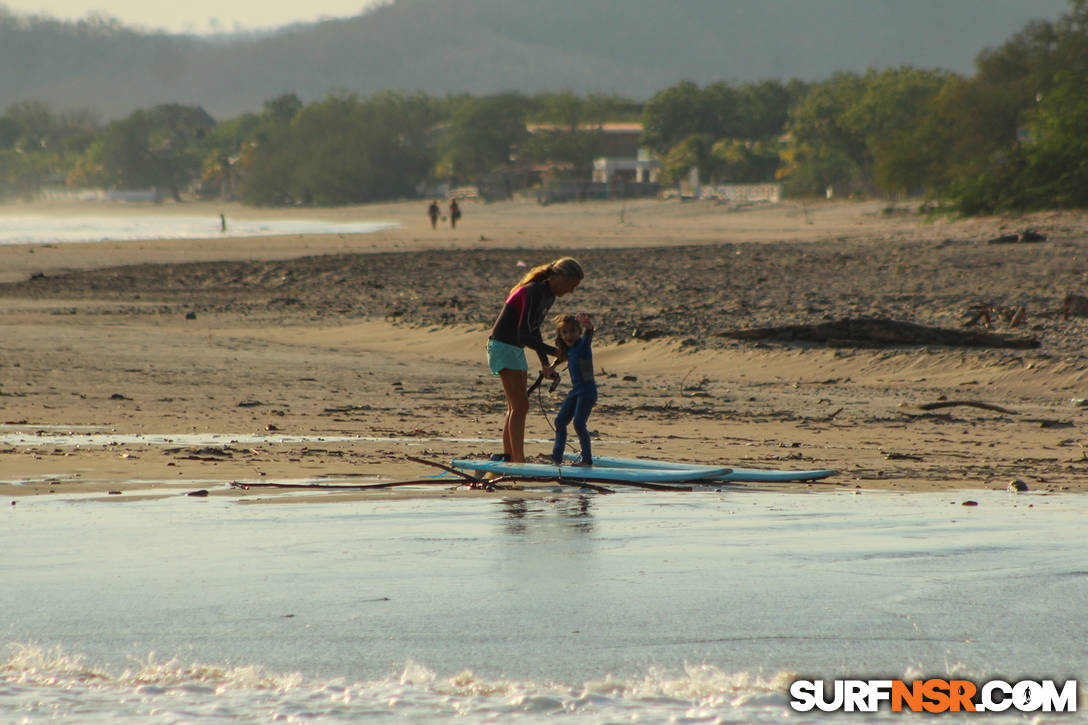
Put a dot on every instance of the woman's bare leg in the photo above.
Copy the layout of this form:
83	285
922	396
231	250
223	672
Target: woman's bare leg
514	383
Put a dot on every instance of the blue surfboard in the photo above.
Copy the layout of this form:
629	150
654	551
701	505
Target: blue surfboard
745	475
592	473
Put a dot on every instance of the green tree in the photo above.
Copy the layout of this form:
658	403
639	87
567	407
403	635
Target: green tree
160	147
824	150
1057	144
9	132
691	153
753	111
23	173
343	150
225	145
764	107
672	116
894	105
481	136
608	107
1048	169
38	144
1036	157
729	133
809	170
567	134
281	110
852	130
738	161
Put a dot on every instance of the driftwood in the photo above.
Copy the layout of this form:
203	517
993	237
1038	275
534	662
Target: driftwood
498	483
486	484
984	315
1028	235
826	418
447	469
491	483
342	486
969	403
879	332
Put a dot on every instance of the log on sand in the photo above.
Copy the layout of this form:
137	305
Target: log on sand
865	331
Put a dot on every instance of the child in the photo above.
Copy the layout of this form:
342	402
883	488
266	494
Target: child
574	347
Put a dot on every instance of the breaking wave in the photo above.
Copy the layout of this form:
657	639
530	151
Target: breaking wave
39	684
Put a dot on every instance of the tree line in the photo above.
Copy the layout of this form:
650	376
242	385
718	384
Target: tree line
1008	138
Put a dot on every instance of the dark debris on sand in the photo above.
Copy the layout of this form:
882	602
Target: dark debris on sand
692	294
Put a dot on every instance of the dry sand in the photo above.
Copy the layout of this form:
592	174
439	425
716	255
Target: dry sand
382	335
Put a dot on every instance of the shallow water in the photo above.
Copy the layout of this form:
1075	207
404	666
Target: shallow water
637	606
56	229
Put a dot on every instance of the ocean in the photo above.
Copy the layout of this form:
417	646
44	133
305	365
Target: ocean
635	607
68	229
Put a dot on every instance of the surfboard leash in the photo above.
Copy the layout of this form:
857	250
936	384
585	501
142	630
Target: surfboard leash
540	401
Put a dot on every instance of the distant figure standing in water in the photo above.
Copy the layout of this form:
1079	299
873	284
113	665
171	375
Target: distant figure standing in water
222	223
432	212
455	213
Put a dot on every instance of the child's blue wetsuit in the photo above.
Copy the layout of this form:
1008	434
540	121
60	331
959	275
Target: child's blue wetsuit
580	400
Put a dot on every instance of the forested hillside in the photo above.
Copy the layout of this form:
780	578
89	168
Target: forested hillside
632	48
1007	137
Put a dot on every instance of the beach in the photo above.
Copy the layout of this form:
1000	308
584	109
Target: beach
380	336
150	390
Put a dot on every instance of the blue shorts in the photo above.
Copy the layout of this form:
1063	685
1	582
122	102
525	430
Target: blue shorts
501	356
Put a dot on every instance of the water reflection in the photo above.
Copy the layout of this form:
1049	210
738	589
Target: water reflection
525	516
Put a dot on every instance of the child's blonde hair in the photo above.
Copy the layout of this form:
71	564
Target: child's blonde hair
562	321
563	267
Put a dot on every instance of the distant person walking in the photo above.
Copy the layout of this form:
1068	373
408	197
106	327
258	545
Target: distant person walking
455	213
432	212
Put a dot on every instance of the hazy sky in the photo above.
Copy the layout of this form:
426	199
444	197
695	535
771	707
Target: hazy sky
195	16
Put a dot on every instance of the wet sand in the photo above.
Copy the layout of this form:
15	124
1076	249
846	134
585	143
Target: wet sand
381	336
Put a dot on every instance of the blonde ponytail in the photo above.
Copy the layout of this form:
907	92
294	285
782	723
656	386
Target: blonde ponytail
563	267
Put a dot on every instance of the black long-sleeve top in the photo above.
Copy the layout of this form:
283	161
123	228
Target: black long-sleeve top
521	317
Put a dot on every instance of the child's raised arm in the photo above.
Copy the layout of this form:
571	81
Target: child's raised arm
585	321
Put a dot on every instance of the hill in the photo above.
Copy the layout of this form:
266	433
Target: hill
632	48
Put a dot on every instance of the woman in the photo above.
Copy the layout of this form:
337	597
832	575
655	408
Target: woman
518	327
